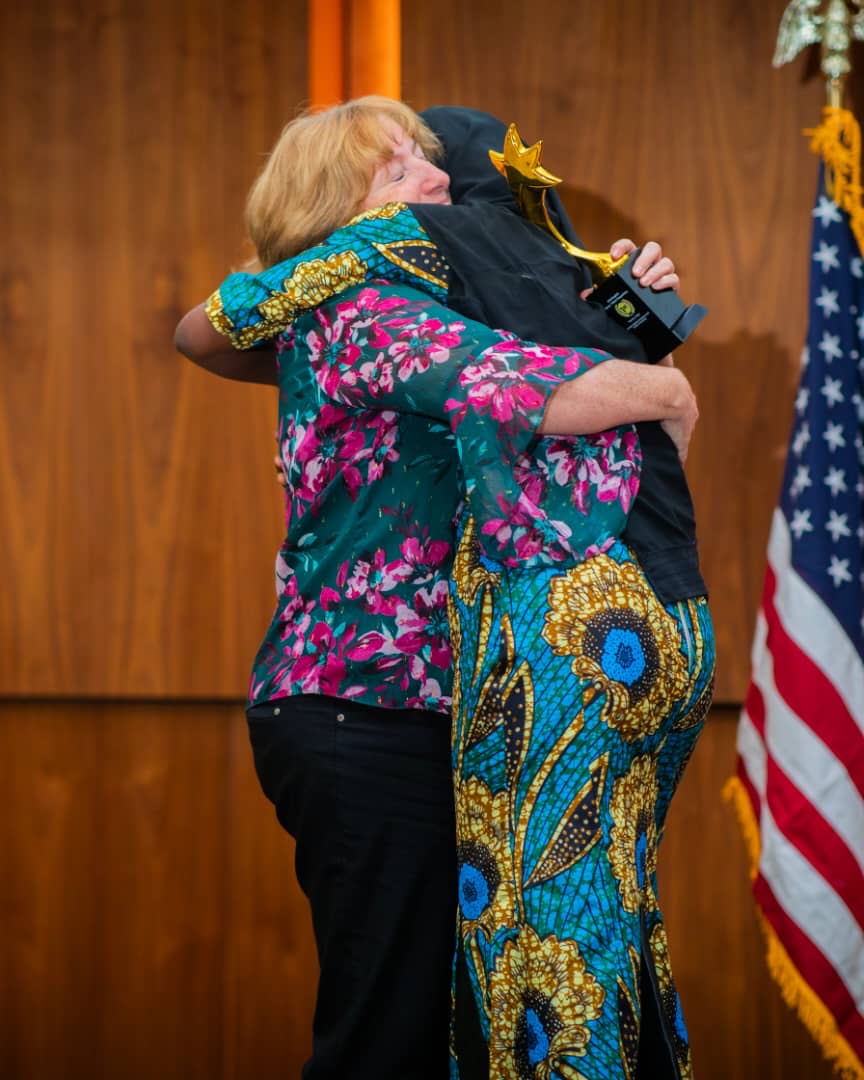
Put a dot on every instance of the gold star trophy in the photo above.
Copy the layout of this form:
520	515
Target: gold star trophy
659	319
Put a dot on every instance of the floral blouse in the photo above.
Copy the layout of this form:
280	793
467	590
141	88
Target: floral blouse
382	393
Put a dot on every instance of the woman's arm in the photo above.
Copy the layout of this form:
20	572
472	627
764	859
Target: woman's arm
248	310
196	339
623	392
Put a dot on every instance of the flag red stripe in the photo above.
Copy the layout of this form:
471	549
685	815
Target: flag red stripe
801	822
805	829
755	706
814	968
807	691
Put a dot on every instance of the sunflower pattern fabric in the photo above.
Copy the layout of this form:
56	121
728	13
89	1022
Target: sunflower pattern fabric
384	242
578	699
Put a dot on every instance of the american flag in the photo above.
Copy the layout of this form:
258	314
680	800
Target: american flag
800	779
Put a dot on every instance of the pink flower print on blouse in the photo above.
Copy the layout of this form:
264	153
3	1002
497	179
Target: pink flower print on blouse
365	309
430	696
378	375
421	342
503	381
621	481
384	427
333	355
423	630
424	556
337	345
596	471
495	389
295	617
326	450
531	474
528	531
322	669
419	637
371	579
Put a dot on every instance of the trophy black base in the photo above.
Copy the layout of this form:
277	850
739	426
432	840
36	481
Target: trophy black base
660	320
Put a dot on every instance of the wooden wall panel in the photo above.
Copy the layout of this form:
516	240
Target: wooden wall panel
150	924
112	929
149	921
668	122
140	513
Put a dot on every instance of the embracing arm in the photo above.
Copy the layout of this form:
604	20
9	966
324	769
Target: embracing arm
249	310
196	339
623	392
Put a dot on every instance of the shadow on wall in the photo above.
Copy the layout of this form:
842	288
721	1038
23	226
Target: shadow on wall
597	222
746	388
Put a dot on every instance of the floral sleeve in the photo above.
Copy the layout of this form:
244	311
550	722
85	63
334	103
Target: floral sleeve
385	242
535	500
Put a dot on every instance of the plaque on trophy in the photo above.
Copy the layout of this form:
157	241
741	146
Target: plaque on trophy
659	319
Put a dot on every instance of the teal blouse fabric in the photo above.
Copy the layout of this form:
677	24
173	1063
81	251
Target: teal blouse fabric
382	392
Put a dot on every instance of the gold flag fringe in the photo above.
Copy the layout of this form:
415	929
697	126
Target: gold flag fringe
838	142
796	992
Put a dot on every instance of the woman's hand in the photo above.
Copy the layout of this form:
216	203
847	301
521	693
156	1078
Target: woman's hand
680	427
281	478
652	268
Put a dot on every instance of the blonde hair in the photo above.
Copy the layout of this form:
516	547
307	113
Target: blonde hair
318	174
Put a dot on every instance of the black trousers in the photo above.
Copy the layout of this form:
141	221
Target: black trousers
367	795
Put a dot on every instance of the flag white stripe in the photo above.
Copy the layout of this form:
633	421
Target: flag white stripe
820	776
810	902
751	750
813	626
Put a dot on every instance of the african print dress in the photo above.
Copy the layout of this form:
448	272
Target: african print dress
578	699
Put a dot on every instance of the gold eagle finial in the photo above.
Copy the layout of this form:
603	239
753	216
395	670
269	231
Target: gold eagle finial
802	24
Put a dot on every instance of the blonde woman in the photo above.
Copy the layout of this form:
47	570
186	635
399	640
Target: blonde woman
370	385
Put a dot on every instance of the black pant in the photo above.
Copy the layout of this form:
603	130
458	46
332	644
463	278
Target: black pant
367	795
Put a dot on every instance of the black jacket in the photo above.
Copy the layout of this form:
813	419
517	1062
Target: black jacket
508	273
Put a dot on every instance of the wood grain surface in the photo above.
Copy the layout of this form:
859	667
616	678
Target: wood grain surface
151	925
140	512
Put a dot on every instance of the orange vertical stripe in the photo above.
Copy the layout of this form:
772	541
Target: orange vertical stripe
374	48
326	36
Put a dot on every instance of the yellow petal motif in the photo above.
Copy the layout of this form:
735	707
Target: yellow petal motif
544	983
633	838
606	616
